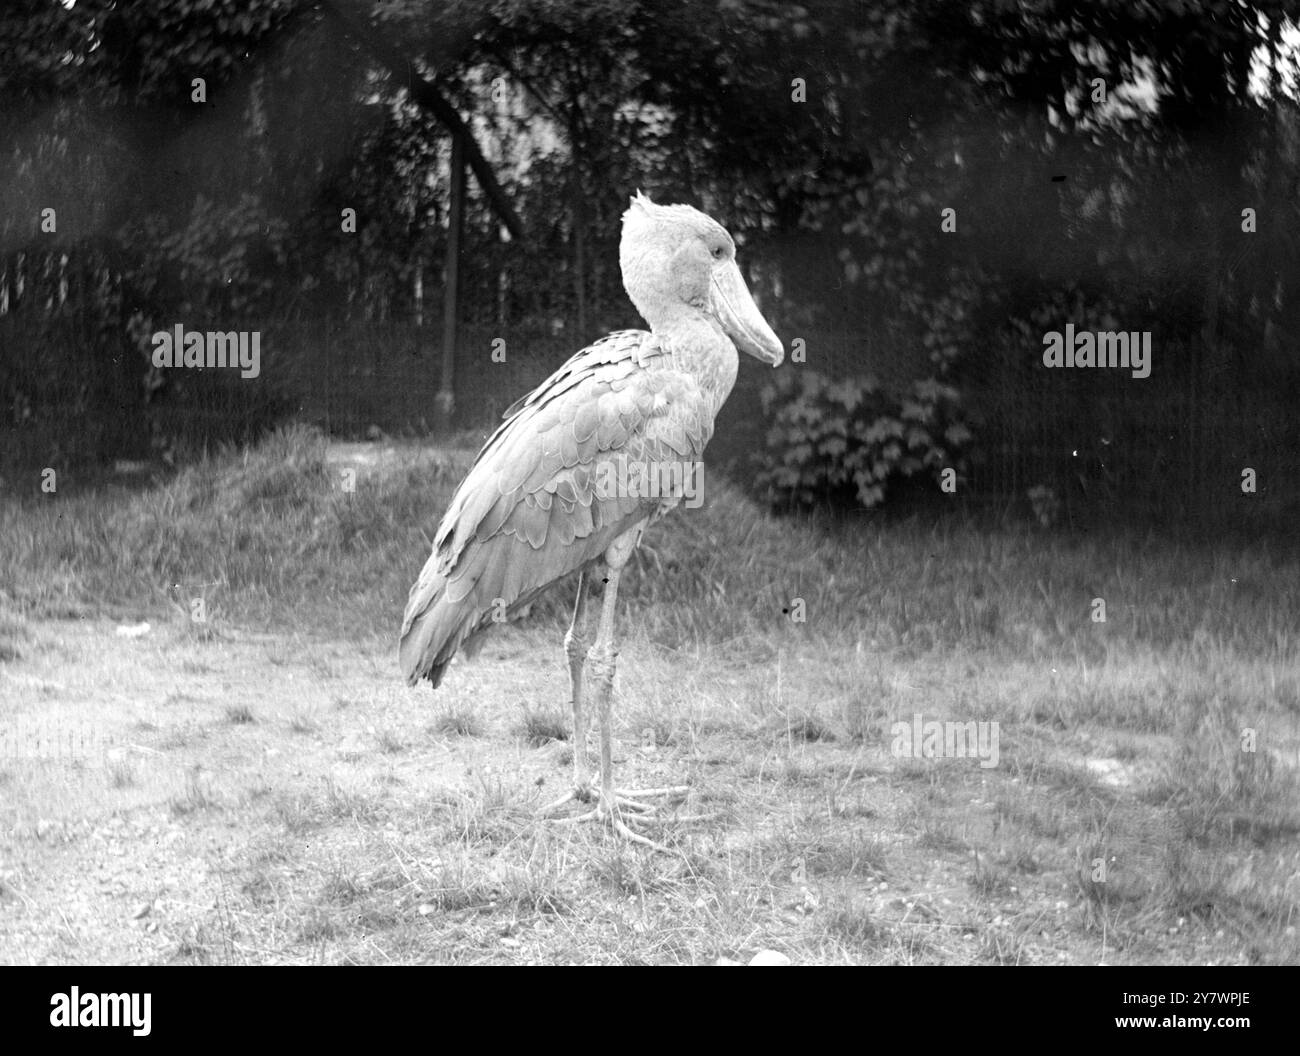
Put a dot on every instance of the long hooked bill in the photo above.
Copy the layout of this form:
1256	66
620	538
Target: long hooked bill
733	306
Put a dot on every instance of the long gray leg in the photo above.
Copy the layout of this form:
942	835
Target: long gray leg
575	648
597	691
602	661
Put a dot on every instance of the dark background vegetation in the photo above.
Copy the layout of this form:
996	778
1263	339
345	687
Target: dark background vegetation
1116	209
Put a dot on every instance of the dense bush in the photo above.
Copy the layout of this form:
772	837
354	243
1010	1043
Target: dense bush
839	442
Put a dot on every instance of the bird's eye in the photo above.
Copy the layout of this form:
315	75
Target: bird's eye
719	252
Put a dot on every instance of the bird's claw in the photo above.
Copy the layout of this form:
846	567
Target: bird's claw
579	793
619	810
631	800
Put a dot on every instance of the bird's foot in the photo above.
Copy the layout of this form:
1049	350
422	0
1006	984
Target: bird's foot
620	810
633	800
581	792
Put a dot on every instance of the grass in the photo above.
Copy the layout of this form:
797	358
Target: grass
196	796
303	724
458	721
13	638
1143	807
389	742
542	725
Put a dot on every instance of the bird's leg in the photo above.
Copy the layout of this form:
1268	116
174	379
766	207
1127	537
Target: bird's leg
575	648
601	664
604	658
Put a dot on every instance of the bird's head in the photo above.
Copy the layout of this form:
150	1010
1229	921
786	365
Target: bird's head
675	258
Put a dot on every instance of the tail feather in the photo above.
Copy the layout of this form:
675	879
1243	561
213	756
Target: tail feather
435	626
432	628
438	622
418	658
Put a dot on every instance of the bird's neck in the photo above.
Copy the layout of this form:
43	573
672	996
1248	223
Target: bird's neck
698	346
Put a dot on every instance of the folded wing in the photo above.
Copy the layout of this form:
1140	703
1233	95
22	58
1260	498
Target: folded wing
536	505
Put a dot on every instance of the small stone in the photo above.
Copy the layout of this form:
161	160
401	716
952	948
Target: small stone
769	958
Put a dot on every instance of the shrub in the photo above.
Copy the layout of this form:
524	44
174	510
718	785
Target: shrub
837	442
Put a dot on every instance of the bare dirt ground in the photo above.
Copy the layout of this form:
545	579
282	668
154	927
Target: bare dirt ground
249	798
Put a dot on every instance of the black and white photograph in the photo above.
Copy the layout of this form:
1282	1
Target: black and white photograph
650	482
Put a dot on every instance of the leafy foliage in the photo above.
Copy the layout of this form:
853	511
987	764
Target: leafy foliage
833	442
222	260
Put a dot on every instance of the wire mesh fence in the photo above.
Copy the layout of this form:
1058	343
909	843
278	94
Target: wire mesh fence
1173	446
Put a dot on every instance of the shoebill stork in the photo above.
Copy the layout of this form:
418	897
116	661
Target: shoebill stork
552	493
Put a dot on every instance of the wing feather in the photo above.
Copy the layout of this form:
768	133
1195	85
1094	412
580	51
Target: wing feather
530	511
